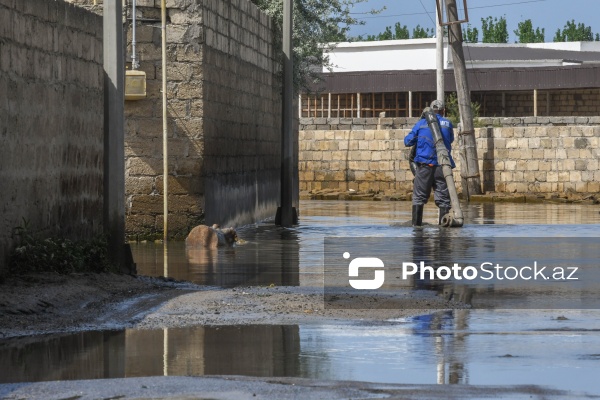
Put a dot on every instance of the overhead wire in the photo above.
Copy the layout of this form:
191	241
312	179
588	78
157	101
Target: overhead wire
428	13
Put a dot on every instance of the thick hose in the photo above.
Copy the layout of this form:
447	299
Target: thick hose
455	217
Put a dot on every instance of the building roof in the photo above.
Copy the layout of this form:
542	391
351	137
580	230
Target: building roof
514	53
480	79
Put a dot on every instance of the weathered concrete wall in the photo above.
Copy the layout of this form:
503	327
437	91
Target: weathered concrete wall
51	120
224	118
546	155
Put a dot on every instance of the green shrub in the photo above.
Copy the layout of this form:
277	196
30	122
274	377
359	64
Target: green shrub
453	113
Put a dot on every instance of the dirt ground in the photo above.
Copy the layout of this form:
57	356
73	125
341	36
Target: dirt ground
46	303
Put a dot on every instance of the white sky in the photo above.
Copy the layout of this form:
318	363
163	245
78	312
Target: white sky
548	14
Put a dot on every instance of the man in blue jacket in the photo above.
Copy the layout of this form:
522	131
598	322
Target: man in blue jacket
428	172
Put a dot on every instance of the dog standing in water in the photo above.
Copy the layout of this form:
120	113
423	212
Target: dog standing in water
211	237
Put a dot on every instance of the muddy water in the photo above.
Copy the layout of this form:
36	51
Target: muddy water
274	255
551	348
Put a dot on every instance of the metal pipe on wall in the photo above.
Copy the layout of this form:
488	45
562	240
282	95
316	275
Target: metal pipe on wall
163	27
134	62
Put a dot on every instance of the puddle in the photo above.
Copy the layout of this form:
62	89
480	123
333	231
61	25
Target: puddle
552	348
294	256
460	347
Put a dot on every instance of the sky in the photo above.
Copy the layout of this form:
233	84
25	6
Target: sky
548	14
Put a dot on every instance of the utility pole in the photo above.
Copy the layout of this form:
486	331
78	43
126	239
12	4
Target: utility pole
114	133
439	50
469	166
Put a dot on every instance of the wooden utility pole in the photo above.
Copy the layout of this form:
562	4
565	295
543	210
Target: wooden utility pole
469	166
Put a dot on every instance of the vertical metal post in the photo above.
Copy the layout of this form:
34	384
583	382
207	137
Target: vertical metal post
410	104
286	214
114	133
439	52
163	14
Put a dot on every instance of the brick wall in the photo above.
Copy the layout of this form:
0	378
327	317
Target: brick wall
224	116
580	102
51	120
544	154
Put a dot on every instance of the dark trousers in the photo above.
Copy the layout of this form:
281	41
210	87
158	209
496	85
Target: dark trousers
426	178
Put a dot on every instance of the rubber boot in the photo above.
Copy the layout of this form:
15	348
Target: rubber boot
443	211
417	215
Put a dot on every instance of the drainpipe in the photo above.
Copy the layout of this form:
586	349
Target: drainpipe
163	27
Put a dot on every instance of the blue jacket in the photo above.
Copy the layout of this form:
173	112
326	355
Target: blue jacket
421	136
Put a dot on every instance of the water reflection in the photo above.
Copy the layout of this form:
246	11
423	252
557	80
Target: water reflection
294	256
453	347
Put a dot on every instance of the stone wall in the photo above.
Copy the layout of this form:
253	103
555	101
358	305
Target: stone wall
224	118
51	120
540	155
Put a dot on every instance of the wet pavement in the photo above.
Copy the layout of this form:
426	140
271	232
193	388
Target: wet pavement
553	349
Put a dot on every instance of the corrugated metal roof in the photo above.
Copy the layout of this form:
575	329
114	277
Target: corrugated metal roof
487	53
483	79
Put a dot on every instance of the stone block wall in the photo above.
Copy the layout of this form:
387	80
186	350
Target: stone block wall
540	155
51	120
224	118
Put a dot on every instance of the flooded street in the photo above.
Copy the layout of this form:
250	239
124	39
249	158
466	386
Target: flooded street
503	346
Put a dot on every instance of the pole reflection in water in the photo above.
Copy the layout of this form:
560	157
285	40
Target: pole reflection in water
165	259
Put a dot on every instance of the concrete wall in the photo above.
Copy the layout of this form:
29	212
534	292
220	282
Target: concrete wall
540	155
224	118
51	120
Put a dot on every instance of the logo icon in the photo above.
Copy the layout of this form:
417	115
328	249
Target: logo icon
365	262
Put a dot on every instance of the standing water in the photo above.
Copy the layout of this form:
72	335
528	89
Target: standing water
551	348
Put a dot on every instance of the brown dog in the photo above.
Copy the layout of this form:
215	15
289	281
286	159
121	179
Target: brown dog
211	237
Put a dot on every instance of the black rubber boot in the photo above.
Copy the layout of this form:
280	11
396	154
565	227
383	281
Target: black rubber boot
443	211
417	215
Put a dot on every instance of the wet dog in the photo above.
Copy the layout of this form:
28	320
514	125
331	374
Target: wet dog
211	237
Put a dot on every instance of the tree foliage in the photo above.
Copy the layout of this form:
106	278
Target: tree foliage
526	34
494	30
318	26
574	33
470	35
422	33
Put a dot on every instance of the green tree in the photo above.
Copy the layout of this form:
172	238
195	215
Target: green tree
401	32
526	34
422	33
387	34
574	33
494	30
470	35
318	25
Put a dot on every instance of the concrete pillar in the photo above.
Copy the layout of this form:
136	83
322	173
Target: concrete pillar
114	136
535	104
357	105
